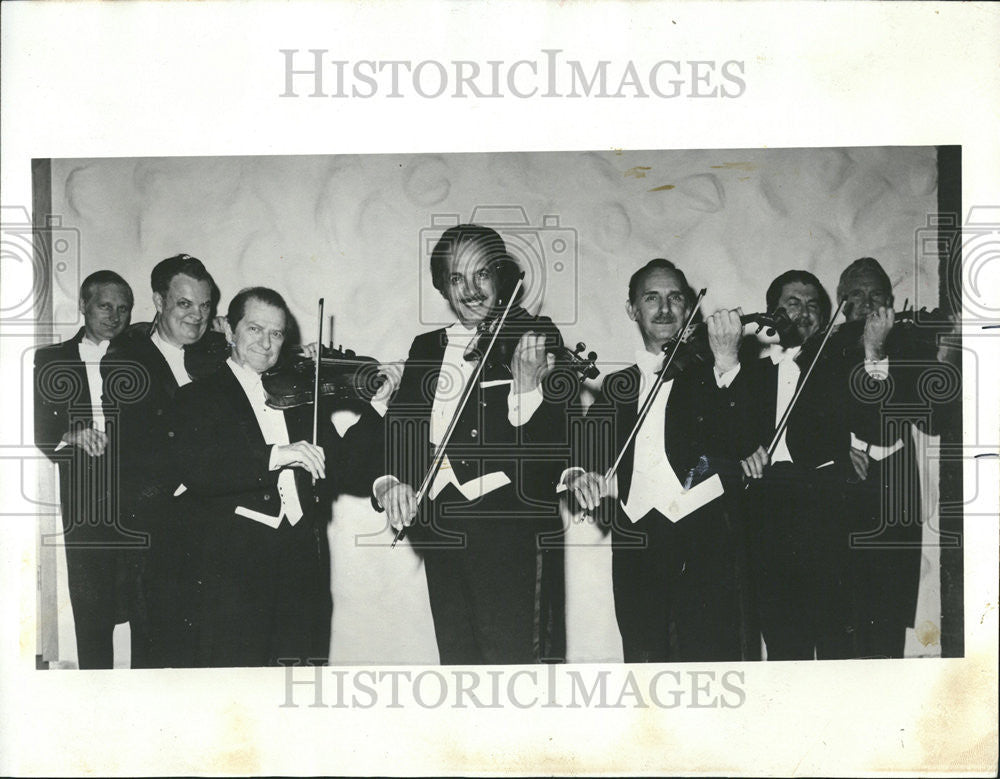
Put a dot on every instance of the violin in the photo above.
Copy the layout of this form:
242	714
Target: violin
692	347
689	347
343	376
517	322
913	331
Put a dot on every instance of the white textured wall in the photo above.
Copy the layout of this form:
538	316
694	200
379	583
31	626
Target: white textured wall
354	229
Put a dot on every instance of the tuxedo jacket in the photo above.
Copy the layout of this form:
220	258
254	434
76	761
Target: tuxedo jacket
141	388
841	398
62	404
817	431
700	421
883	513
264	587
532	455
223	460
918	388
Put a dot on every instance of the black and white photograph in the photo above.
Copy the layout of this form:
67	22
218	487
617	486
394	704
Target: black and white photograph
567	450
173	504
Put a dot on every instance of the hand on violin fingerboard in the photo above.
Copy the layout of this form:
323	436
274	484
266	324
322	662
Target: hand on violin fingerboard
309	351
530	363
877	328
725	330
393	374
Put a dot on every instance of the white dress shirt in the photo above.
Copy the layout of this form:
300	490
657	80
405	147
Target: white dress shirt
652	477
275	431
455	374
788	379
91	355
654	483
174	355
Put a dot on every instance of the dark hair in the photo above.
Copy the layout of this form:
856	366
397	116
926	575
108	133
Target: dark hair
802	277
238	305
99	278
165	270
486	238
659	264
859	265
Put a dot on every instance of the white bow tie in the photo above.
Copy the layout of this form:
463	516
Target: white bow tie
778	354
91	352
648	362
459	335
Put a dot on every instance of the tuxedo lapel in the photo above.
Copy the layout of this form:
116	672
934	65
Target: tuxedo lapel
426	362
626	394
70	353
161	374
239	406
770	391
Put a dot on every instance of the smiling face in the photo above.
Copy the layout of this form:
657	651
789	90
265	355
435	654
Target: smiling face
864	292
183	314
471	283
802	302
258	337
107	312
660	307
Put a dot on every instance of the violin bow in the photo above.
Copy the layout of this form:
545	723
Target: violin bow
466	394
779	431
647	404
317	360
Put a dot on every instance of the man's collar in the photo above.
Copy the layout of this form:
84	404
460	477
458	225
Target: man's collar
86	339
247	377
777	353
162	342
459	333
647	361
92	352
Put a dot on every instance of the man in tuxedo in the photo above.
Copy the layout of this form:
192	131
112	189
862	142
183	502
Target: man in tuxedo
676	551
797	534
143	369
879	377
262	490
494	492
69	430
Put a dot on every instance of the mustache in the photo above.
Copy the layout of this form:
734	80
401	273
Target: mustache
664	320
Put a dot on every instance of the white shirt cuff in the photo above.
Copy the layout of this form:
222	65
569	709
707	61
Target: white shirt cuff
380	482
271	464
723	380
380	406
521	408
877	369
